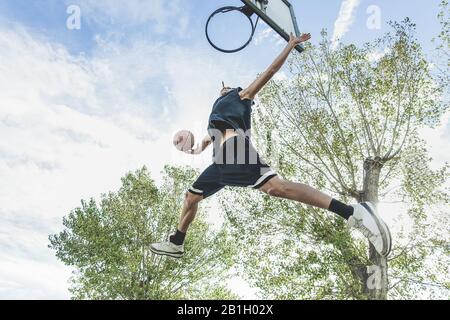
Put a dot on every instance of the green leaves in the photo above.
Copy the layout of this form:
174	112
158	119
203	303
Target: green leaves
340	110
108	244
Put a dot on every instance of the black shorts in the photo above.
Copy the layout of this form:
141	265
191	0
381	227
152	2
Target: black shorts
235	164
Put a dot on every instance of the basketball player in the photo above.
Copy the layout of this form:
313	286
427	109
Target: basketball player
236	163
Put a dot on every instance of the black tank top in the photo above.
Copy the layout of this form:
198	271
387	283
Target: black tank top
231	112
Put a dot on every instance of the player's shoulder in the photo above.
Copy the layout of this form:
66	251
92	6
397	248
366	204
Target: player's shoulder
244	94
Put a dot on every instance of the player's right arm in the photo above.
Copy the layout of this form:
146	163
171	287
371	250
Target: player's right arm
251	92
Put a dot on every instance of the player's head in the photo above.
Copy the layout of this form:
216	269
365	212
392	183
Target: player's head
224	89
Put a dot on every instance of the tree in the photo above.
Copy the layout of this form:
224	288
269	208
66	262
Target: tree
444	35
443	44
108	244
347	122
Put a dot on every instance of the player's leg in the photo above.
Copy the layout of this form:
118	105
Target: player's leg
205	186
173	247
189	212
361	216
277	187
190	207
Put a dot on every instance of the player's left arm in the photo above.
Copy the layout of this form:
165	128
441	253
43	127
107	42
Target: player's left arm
251	92
206	142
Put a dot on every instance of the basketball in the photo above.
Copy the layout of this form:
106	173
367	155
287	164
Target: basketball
183	140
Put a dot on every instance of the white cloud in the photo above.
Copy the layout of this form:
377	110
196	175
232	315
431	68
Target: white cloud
51	155
162	16
28	270
71	126
262	35
437	139
377	54
30	279
269	35
345	20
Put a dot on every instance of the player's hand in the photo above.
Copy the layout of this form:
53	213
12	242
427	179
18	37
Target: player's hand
177	141
295	41
197	150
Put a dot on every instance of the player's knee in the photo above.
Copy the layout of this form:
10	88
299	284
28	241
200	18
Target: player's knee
280	190
191	199
275	192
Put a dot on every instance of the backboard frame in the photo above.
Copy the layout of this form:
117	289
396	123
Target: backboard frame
273	24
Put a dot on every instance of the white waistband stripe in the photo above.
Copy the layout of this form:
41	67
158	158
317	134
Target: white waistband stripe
267	174
196	190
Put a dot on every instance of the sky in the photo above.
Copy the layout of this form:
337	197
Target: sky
81	107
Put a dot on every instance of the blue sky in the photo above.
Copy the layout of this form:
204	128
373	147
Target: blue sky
82	107
48	17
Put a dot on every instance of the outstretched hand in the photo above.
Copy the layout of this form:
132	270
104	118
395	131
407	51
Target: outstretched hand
197	150
295	41
200	147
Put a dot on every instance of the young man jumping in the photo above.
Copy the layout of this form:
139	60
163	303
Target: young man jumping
237	163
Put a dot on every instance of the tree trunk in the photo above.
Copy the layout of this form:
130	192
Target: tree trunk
376	283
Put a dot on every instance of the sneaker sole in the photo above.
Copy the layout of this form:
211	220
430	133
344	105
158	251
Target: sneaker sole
389	238
165	253
385	232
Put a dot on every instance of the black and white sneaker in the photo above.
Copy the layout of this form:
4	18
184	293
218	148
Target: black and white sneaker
366	219
167	249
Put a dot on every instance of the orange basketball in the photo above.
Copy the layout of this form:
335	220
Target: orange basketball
183	140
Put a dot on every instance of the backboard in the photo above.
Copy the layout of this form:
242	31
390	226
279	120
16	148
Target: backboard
278	14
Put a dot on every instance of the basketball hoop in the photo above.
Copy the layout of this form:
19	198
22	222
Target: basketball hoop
247	11
279	15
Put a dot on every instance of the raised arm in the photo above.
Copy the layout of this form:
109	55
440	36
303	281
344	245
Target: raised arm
258	84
